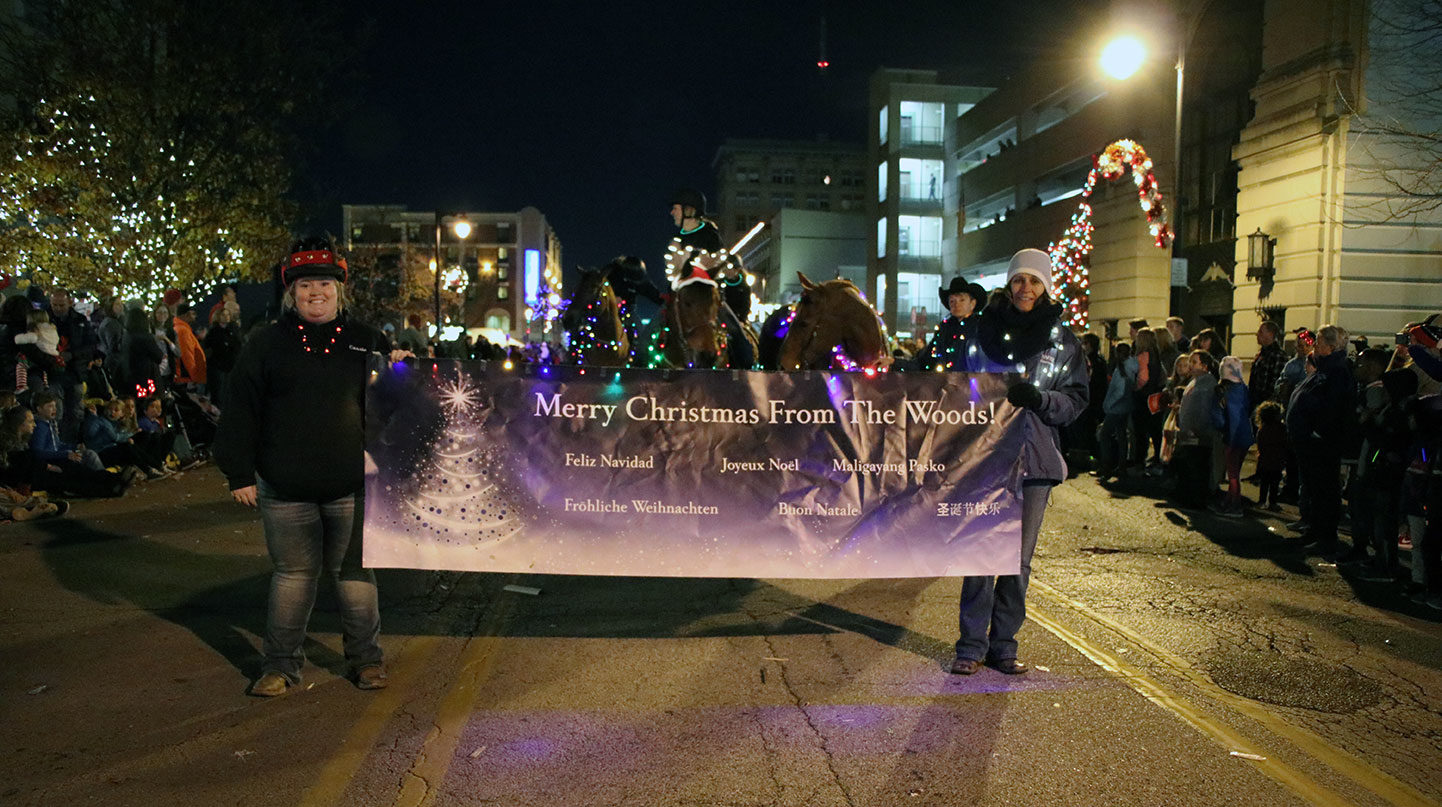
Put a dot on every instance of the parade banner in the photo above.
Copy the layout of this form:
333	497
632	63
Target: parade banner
696	473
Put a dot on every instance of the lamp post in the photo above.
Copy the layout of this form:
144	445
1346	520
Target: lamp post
462	228
1121	59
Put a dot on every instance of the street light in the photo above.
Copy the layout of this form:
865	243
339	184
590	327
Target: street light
1261	249
462	229
1122	57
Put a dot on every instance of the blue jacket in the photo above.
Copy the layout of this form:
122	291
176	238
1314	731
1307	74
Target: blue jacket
46	444
1119	391
1233	416
100	433
1060	372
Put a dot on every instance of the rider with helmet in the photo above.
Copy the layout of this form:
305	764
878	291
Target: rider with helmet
699	241
698	244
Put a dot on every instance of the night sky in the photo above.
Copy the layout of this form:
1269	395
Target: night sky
595	112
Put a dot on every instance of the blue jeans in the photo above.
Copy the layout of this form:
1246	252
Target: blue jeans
993	608
304	540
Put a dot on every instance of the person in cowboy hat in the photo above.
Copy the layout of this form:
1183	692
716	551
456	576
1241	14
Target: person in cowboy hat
944	351
291	443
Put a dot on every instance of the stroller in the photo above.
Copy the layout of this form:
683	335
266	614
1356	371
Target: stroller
195	419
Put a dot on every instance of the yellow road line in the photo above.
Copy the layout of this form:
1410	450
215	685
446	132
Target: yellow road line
1378	782
478	659
404	666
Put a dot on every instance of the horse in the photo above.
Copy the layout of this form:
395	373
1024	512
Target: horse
695	334
593	317
833	327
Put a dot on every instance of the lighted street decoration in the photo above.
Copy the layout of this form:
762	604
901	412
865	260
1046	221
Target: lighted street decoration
76	213
1069	254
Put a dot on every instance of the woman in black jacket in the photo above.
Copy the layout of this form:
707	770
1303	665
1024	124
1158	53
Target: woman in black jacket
142	356
291	443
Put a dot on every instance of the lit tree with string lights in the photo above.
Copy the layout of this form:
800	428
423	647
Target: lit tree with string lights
150	144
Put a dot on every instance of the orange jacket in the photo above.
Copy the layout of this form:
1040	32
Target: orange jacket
191	367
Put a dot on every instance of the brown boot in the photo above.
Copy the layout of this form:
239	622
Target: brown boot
372	677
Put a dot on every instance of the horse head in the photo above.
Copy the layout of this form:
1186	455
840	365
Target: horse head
832	326
691	317
593	318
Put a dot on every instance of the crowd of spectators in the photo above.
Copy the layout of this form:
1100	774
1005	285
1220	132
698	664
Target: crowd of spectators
1348	433
92	401
97	397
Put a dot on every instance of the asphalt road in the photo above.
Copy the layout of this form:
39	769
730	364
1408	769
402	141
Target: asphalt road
1181	659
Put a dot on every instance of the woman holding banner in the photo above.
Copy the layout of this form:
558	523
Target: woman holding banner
291	442
1024	333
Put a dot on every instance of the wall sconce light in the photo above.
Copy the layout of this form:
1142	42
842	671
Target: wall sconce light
1261	249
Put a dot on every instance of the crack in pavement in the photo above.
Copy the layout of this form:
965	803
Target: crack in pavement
806	715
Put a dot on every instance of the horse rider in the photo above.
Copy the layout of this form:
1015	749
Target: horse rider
698	243
947	346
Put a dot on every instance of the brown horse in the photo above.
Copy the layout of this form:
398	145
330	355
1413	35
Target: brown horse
593	317
833	328
698	332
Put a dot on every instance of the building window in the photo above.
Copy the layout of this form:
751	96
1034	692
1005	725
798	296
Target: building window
920	179
881	182
743	173
885	113
919	236
813	202
921	122
780	200
881	238
503	292
740	223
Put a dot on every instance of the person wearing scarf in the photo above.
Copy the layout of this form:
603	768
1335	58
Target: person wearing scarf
1022	334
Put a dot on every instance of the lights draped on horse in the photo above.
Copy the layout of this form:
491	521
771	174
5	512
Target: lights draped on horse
593	318
830	327
698	331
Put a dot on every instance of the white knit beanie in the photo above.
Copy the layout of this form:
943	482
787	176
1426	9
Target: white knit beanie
1032	262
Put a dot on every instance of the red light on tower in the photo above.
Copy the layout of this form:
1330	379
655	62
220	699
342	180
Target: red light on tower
822	63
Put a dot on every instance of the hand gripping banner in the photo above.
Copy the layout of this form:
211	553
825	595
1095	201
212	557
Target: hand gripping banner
568	470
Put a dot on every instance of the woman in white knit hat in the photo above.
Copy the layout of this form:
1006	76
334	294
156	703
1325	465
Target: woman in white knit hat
1024	334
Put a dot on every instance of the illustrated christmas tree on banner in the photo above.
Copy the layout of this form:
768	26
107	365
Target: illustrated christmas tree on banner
1069	255
459	497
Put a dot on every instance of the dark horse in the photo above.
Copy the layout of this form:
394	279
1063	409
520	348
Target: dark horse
593	317
695	332
830	327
